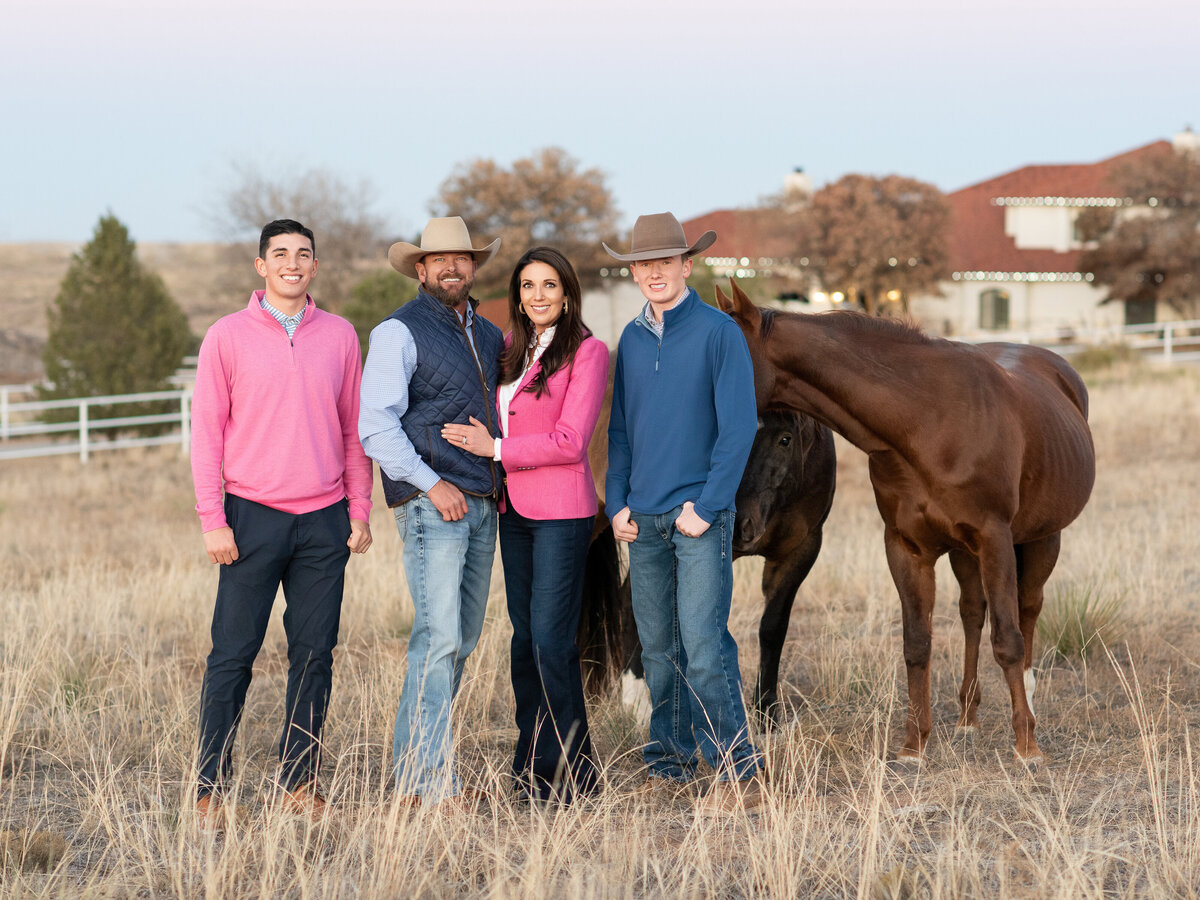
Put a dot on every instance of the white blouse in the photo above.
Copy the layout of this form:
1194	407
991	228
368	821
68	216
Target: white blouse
509	389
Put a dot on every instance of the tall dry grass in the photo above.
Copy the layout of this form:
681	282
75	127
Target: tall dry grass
106	599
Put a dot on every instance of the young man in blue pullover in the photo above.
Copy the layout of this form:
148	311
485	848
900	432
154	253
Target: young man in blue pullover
683	422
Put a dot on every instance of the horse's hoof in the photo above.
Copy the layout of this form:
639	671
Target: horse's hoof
1034	763
768	720
905	765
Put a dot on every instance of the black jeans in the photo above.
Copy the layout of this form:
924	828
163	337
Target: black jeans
543	576
307	554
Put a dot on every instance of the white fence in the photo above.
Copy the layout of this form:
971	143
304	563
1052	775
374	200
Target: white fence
1165	342
19	424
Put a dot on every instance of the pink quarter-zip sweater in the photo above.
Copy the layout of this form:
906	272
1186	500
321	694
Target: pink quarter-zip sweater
276	421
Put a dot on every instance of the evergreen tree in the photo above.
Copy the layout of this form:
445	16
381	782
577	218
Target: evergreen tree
113	328
374	298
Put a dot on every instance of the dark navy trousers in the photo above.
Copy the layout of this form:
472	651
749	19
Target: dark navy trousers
307	554
543	576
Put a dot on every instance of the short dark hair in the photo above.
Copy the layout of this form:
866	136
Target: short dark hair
283	226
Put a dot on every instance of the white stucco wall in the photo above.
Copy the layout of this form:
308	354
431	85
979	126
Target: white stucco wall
1041	228
1032	306
608	310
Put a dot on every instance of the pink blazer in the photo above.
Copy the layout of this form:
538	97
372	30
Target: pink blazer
545	454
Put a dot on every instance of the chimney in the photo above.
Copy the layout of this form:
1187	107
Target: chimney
797	188
1187	142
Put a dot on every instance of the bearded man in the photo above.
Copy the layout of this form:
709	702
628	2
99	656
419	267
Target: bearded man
431	362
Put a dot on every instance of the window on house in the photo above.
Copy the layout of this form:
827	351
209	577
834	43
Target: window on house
1139	312
993	310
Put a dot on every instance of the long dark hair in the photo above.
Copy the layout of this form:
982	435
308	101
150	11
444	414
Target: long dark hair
568	332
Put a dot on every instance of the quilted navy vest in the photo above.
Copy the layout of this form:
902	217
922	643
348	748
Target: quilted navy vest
448	386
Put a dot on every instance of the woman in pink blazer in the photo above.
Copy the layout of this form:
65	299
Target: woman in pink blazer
552	380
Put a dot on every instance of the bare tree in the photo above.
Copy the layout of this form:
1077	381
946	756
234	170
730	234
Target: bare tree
1149	250
348	234
545	199
878	240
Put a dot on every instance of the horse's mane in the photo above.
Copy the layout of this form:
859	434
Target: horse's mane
903	329
767	318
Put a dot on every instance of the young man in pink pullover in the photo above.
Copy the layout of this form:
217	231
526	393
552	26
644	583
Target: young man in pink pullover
283	490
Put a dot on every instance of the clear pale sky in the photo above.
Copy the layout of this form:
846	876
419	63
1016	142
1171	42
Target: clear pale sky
141	107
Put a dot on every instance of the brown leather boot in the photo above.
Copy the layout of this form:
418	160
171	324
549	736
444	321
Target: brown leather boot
209	815
304	800
729	798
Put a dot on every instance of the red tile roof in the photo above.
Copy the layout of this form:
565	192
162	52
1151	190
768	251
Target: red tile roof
496	312
752	233
977	239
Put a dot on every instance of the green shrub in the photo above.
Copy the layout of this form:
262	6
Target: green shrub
1081	619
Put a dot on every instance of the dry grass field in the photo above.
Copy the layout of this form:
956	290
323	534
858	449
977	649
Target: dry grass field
106	598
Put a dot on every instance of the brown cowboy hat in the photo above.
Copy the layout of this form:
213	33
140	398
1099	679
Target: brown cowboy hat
448	235
660	235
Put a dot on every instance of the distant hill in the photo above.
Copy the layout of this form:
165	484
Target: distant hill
207	280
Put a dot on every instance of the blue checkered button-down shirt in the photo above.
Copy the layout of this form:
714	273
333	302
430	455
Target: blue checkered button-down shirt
391	361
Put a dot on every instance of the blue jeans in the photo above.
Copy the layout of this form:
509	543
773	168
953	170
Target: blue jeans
448	566
544	563
682	590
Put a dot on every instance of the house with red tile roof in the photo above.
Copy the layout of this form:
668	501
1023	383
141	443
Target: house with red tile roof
755	242
1014	252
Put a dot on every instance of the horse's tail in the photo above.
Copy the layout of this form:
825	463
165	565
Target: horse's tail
600	620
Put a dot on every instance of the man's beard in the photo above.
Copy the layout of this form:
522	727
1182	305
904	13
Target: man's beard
446	297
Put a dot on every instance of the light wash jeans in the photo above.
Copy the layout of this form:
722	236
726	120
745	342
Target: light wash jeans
448	566
682	590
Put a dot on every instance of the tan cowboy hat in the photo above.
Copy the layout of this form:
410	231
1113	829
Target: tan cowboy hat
448	235
660	235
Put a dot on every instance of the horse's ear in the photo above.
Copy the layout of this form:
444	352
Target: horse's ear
723	303
741	306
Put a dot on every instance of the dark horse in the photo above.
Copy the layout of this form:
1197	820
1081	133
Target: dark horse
782	503
982	452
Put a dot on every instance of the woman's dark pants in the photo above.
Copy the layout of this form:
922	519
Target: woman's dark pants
543	575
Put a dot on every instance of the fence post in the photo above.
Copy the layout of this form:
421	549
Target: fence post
1168	343
83	431
185	436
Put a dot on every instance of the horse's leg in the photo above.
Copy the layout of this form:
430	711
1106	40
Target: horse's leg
631	644
998	568
780	582
605	607
1035	562
972	607
913	575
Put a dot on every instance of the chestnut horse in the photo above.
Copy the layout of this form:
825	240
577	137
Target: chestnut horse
782	502
982	452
